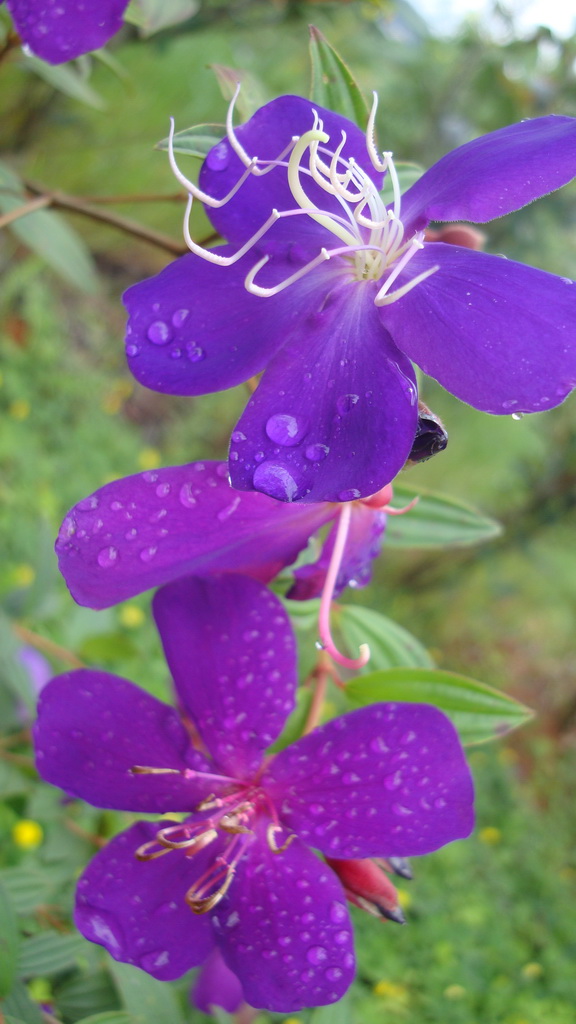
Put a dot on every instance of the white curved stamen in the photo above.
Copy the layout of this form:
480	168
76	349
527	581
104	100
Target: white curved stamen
405	288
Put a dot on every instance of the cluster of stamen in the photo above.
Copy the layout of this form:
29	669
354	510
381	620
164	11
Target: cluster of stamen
233	815
371	236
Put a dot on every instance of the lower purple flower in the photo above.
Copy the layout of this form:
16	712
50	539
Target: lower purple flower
59	30
236	872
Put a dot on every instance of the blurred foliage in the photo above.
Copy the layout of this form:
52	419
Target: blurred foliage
491	935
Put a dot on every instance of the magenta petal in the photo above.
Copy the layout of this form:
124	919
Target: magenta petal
93	727
217	985
335	414
387	780
495	174
59	30
148	529
285	931
231	650
136	909
267	133
194	328
497	334
363	545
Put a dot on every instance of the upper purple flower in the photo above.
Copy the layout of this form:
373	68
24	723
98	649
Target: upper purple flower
59	30
237	873
332	293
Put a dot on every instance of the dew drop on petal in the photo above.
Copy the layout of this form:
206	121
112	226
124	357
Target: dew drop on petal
350	495
87	504
159	333
194	352
238	436
219	157
186	496
147	554
317	955
274	479
286	430
107	557
132	350
346	402
317	452
179	317
338	913
152	961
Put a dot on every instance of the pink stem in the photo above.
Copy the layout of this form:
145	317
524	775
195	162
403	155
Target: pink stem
328	593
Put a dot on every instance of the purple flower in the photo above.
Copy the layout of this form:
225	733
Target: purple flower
59	30
333	292
148	529
237	872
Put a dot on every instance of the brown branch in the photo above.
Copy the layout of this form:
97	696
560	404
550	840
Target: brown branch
63	201
22	211
42	643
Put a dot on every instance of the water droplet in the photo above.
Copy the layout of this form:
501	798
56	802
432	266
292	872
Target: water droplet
317	955
225	513
333	974
259	456
147	554
179	317
175	353
317	452
316	809
342	937
345	403
237	436
186	496
132	350
284	429
162	490
132	534
274	479
152	961
87	504
219	157
107	557
400	810
338	913
517	415
194	352
350	495
439	803
159	333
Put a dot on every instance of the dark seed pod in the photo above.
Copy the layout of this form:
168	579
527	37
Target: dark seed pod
430	437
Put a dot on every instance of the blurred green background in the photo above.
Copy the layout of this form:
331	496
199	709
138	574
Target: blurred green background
491	936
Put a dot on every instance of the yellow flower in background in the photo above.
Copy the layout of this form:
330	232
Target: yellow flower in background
19	409
27	834
131	616
23	575
149	458
490	835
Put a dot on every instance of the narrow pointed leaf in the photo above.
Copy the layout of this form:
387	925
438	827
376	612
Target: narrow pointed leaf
333	84
437	521
49	953
196	141
390	644
478	712
9	942
252	95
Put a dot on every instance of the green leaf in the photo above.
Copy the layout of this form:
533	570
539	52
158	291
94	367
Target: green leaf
295	724
478	712
196	141
65	78
27	887
151	16
437	521
19	1006
146	999
304	618
109	1017
9	942
48	234
83	994
390	644
252	95
336	1013
12	672
48	953
333	84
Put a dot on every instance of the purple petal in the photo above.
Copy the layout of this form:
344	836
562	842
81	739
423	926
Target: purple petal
267	133
217	985
158	526
59	30
231	650
136	909
495	174
497	334
386	780
335	414
194	328
285	931
94	727
363	545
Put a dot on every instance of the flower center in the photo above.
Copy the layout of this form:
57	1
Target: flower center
371	235
229	821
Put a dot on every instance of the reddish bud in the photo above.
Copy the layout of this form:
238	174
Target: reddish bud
367	886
